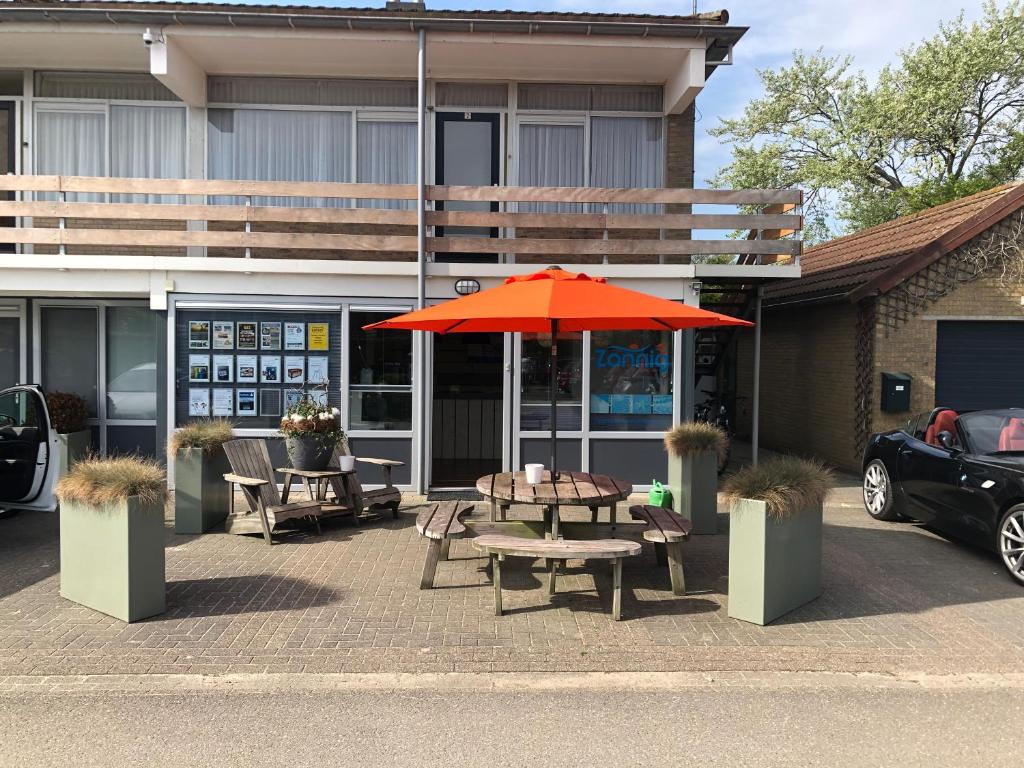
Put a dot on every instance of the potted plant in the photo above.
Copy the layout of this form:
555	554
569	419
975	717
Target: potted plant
112	536
201	497
775	536
694	452
312	430
68	415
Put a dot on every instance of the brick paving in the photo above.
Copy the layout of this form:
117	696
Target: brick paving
897	599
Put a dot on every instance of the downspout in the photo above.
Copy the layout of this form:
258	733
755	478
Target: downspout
421	254
756	416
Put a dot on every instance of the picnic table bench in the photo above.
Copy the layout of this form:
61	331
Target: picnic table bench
667	530
556	550
439	524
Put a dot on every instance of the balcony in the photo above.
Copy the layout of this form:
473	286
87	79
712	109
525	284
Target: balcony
77	216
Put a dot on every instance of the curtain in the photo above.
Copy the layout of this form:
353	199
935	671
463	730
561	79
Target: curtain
281	145
386	154
551	156
70	144
147	143
627	152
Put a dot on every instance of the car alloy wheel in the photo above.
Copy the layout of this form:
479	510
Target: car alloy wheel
878	492
1011	542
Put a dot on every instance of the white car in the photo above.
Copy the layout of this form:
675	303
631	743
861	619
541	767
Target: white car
28	451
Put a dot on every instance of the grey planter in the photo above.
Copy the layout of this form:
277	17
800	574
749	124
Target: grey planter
693	480
201	497
774	565
71	448
112	557
309	452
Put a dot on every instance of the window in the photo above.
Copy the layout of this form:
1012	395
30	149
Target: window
535	391
10	349
380	374
627	152
630	380
131	363
551	155
386	154
69	345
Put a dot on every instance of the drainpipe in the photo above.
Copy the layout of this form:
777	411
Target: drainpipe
756	417
421	254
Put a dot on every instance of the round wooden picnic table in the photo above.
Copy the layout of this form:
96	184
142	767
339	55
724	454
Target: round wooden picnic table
571	489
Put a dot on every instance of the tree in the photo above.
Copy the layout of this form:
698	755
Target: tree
941	123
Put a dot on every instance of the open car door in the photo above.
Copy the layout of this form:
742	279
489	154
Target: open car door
28	450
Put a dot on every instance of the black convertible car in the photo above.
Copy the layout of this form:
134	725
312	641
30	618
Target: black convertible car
961	473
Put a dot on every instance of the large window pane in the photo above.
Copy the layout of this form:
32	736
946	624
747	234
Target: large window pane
386	154
71	143
535	411
131	363
627	152
69	346
281	145
380	375
147	143
630	380
550	156
10	352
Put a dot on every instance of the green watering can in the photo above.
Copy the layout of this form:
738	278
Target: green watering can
659	495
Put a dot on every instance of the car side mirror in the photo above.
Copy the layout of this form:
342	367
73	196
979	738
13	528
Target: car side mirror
946	440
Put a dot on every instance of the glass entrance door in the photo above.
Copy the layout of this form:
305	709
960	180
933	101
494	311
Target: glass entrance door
466	429
6	160
10	346
468	151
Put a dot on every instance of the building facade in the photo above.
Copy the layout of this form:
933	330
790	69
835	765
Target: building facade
206	204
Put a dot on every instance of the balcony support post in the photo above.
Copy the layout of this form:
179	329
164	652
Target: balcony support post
756	408
422	398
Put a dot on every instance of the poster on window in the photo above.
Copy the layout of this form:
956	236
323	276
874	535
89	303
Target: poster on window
246	335
246	369
316	370
294	336
319	397
270	335
199	401
270	402
223	369
199	334
292	397
223	402
295	369
318	337
270	369
223	334
245	404
198	367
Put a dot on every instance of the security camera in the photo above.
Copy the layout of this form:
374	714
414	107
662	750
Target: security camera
148	37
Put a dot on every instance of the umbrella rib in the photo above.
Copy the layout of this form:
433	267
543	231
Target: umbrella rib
451	328
662	322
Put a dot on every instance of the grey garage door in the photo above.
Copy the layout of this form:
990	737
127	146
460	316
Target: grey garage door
979	364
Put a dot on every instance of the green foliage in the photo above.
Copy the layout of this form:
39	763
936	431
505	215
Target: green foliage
68	412
941	123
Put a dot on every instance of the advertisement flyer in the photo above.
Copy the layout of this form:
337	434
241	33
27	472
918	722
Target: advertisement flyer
246	369
247	335
318	337
295	369
199	402
316	370
294	336
223	402
270	369
270	335
198	367
223	334
199	334
292	397
246	402
223	369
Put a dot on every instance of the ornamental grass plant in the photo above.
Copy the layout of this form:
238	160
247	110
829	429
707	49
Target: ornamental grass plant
787	485
692	437
204	434
99	482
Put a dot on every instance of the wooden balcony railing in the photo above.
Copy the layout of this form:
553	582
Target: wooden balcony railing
73	214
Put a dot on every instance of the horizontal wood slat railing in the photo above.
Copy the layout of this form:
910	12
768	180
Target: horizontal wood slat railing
325	216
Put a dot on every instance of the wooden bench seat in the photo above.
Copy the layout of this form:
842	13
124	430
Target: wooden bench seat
439	524
556	550
667	530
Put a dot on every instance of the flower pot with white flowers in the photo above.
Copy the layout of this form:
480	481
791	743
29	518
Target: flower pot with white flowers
201	497
312	430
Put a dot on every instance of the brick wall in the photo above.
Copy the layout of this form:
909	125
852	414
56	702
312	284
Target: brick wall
807	382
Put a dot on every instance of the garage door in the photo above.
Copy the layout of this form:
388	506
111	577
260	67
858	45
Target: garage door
979	364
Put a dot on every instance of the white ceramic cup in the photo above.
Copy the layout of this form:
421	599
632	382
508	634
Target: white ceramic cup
534	473
346	463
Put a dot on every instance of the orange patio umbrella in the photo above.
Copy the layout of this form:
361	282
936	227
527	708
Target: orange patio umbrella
552	301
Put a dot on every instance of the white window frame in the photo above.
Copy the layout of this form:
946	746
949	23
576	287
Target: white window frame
16	308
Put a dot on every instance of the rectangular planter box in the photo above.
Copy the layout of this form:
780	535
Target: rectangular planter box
774	565
71	448
201	496
112	557
693	481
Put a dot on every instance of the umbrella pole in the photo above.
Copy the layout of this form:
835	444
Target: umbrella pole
554	397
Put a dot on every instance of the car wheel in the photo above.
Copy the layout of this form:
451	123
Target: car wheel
878	494
1011	541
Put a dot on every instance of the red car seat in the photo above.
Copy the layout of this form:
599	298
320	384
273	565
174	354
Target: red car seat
1011	438
945	421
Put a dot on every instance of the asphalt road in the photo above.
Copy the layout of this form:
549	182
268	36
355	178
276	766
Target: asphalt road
769	724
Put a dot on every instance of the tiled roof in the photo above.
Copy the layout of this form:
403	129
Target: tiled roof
839	267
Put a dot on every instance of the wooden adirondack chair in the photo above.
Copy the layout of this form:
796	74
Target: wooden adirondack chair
349	493
251	469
